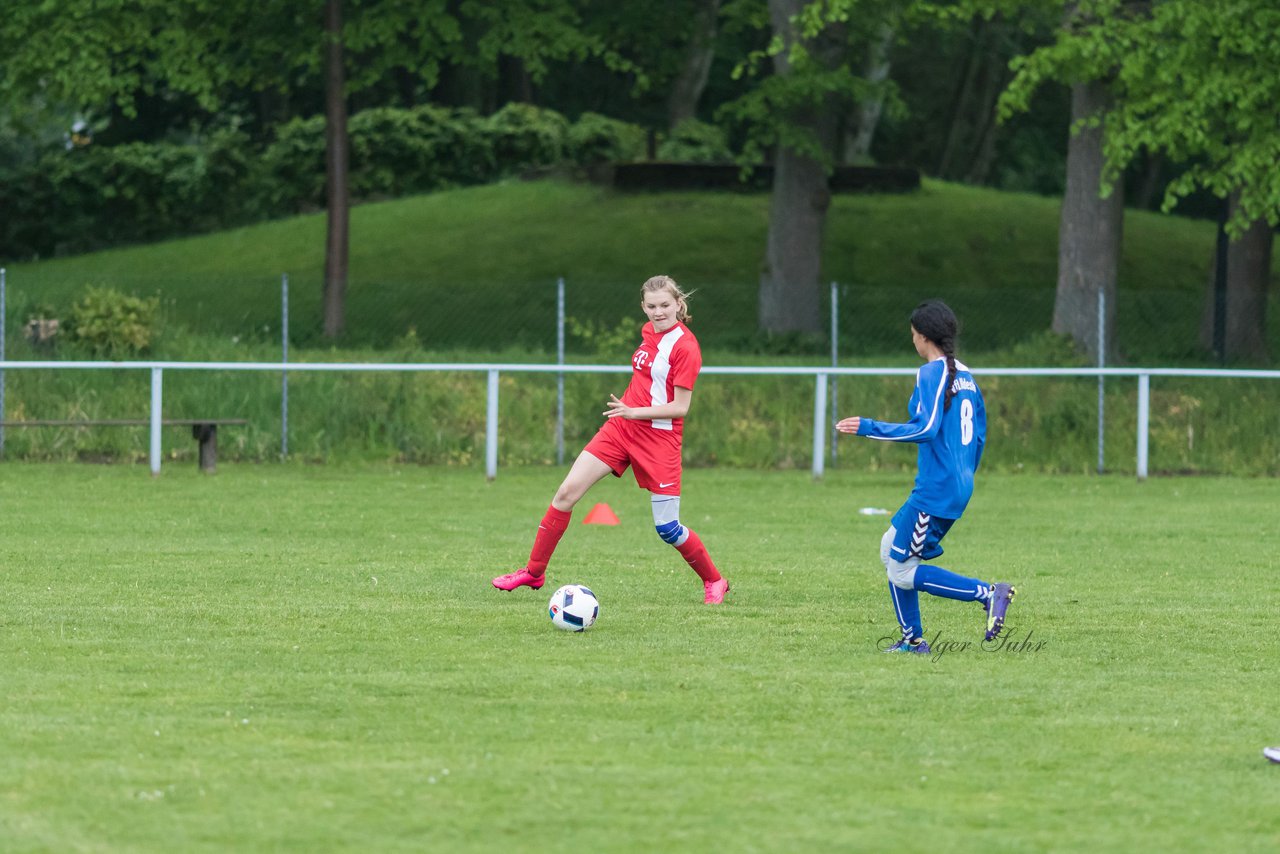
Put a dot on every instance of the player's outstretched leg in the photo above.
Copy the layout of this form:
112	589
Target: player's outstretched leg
997	607
533	574
937	581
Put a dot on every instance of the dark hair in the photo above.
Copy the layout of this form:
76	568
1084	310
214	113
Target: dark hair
935	320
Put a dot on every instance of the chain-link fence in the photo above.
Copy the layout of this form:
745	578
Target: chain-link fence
1039	423
427	313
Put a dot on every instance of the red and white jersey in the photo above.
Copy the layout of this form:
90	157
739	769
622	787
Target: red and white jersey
663	361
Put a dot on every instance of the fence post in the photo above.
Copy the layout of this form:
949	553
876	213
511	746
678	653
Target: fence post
560	376
835	362
3	319
284	360
1220	283
491	429
1102	382
819	424
1144	409
157	383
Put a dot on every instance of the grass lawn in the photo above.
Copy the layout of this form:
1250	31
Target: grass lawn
311	658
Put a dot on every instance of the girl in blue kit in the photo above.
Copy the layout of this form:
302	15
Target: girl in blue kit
948	423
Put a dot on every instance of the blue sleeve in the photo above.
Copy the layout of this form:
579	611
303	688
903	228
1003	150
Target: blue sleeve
926	411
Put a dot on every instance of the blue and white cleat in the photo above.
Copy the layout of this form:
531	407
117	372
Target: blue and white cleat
920	647
997	607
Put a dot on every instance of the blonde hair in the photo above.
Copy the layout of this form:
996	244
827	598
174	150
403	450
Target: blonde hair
666	283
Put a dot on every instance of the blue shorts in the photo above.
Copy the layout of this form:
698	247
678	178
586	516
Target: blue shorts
917	534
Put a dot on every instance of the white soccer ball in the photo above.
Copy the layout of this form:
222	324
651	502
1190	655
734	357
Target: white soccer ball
574	608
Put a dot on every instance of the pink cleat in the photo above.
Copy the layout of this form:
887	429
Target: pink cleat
520	578
715	591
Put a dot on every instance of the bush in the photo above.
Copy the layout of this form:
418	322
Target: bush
86	198
696	142
526	136
114	325
92	197
394	152
293	167
594	138
462	144
602	341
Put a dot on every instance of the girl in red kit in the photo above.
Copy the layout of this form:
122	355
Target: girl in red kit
642	430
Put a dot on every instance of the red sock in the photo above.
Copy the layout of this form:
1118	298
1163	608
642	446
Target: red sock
695	553
550	530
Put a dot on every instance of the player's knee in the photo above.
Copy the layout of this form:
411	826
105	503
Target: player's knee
672	533
885	543
566	497
902	575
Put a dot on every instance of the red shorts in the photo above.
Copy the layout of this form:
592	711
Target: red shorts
654	455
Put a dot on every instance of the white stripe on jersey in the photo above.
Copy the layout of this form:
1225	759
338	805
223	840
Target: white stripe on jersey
661	368
938	397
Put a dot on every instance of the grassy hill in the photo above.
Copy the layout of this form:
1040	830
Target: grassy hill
475	269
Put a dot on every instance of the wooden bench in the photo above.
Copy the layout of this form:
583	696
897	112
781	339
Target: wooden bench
203	430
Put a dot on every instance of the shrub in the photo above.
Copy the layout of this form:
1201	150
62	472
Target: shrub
696	142
462	144
525	136
114	325
89	197
92	197
293	166
594	138
393	153
599	339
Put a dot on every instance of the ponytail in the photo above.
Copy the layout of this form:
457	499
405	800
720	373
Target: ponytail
951	384
935	320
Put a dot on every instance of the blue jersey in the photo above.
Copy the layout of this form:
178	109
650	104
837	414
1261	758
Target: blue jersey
950	439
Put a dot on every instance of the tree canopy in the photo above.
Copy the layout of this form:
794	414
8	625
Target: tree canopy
1194	81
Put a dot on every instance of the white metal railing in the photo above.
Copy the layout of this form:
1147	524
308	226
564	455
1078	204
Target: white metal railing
821	375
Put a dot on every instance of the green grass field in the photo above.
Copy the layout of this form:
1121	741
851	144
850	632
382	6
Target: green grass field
311	659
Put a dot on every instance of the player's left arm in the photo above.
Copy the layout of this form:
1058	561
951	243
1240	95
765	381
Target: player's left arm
926	412
677	408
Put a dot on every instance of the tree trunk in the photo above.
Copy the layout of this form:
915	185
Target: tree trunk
516	83
336	157
1149	187
1248	280
957	128
790	294
857	144
687	89
993	83
1090	232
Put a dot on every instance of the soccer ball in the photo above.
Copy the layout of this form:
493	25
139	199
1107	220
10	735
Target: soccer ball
574	608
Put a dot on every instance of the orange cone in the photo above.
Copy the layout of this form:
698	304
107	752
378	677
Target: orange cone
600	515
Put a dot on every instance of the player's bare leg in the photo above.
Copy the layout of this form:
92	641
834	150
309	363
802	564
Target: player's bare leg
585	472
